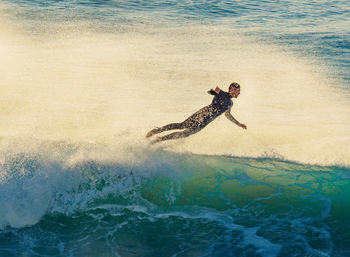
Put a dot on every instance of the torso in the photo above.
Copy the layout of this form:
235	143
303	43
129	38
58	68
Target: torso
221	103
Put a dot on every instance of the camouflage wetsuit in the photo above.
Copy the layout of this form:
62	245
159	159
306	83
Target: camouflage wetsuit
197	121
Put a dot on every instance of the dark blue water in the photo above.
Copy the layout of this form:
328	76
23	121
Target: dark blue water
67	198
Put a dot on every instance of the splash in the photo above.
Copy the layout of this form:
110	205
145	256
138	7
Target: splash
112	87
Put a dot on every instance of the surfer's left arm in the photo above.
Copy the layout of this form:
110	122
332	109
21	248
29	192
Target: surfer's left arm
215	91
229	116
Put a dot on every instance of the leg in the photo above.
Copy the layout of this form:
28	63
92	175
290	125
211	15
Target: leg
170	126
176	135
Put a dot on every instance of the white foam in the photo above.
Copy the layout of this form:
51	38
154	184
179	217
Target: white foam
265	247
113	88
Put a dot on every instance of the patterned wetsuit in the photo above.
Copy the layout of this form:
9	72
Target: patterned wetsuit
221	103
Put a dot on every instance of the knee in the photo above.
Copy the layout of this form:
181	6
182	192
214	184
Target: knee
189	132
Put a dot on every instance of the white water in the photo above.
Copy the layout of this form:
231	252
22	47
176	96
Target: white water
112	88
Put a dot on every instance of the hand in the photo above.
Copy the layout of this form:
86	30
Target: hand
217	90
243	126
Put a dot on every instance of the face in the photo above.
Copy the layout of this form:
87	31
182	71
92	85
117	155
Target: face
234	92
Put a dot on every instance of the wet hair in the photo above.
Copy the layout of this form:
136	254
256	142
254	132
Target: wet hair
233	85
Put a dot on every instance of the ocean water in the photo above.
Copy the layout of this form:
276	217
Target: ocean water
83	81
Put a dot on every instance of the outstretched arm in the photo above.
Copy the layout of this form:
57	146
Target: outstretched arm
229	116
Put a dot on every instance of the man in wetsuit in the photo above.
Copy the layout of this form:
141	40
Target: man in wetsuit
221	103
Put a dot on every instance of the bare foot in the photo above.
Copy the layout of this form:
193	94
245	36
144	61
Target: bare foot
152	132
157	140
149	134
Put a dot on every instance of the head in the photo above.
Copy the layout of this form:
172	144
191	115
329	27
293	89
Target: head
234	89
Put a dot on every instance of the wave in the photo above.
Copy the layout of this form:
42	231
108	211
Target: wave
66	178
56	182
277	189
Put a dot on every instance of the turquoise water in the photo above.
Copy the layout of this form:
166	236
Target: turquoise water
82	83
174	205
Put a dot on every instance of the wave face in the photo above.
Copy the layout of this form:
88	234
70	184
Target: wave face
67	201
81	83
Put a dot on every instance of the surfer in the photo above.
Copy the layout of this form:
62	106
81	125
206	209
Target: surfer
221	103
